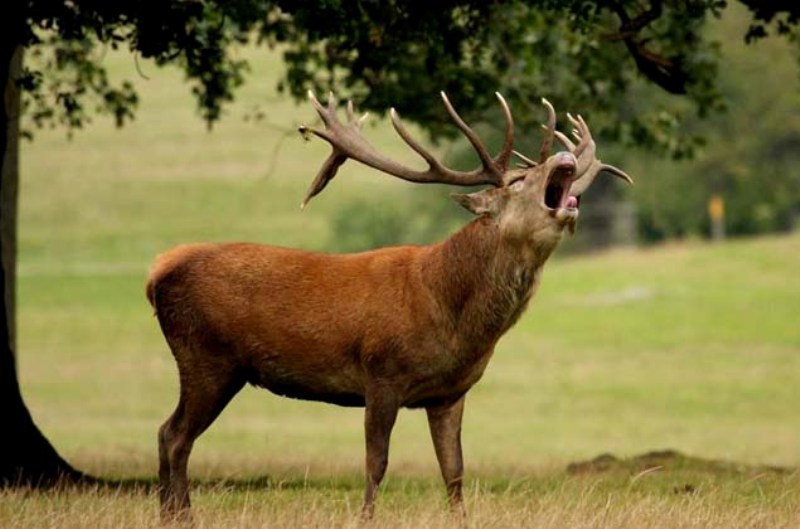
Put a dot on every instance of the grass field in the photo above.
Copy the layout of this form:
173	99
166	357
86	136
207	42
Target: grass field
688	347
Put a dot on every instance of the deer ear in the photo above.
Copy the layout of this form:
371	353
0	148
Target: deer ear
488	201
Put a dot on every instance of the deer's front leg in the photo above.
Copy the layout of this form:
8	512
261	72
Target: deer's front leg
445	425
381	411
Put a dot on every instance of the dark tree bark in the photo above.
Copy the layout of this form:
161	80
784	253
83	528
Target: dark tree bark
26	457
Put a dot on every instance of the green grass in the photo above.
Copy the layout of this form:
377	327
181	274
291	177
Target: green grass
683	496
690	347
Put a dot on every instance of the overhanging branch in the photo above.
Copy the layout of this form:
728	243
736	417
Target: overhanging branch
664	71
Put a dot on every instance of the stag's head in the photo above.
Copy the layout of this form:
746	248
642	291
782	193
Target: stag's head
535	200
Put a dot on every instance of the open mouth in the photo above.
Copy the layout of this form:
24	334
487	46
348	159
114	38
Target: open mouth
556	194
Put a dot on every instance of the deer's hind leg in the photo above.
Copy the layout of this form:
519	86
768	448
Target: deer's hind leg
205	390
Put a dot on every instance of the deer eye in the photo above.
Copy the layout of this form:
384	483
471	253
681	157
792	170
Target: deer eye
516	185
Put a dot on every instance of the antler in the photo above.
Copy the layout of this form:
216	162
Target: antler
588	165
547	143
347	142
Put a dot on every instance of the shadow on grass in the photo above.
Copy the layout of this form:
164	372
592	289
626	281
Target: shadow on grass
149	485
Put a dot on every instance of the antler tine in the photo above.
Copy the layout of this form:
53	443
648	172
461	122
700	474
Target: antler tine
328	170
594	168
486	159
504	155
547	143
323	113
581	133
410	141
314	101
351	116
526	162
616	171
565	141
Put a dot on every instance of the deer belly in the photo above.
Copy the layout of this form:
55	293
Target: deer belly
317	379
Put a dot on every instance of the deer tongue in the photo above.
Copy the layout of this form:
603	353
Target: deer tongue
571	202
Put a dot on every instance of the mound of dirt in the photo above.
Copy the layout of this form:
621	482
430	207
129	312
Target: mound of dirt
664	460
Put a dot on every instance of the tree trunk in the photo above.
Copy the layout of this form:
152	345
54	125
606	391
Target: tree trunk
26	456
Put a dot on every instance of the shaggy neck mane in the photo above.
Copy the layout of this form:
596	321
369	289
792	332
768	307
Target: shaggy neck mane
484	281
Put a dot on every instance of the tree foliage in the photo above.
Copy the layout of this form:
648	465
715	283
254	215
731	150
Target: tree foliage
578	53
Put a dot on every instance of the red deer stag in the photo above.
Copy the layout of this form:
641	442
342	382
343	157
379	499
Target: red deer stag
411	326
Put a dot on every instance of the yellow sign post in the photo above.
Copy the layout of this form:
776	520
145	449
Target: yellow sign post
716	212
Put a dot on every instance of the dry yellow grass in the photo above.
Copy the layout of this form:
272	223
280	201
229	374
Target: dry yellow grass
575	503
657	490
